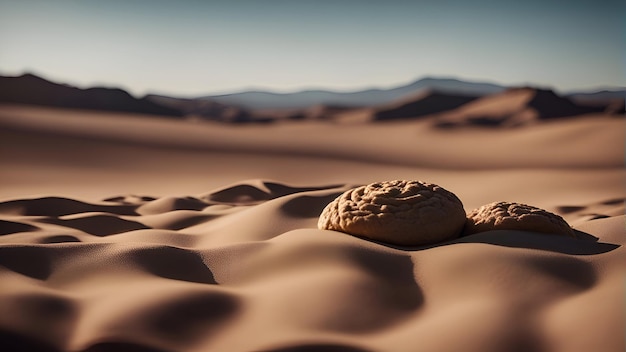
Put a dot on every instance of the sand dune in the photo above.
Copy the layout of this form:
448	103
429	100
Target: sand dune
197	273
142	234
409	143
426	103
497	106
515	107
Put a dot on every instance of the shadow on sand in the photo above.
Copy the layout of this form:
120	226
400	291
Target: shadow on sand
584	244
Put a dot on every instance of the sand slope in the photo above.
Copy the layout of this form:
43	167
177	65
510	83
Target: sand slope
242	268
139	234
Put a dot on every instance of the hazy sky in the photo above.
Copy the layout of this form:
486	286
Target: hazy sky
196	47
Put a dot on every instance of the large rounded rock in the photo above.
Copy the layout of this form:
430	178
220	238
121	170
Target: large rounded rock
396	212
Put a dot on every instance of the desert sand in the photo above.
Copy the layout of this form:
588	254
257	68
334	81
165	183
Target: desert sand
133	233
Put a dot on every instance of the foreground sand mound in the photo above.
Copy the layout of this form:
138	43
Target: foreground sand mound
243	268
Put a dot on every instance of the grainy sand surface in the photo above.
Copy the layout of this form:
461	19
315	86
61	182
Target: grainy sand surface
131	233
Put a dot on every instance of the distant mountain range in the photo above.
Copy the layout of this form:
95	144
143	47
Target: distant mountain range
371	97
34	90
458	102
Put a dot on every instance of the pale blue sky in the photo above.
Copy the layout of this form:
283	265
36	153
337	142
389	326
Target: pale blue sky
195	47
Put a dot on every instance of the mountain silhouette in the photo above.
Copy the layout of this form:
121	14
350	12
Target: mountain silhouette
204	109
452	102
612	100
34	90
362	98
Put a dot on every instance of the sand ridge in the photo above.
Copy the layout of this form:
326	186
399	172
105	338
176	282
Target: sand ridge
135	233
198	272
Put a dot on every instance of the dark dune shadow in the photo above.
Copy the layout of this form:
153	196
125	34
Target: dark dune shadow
585	236
315	347
186	222
129	199
585	244
567	209
193	316
550	105
425	104
120	346
392	290
493	122
279	190
167	204
576	272
17	342
614	201
397	272
98	225
174	263
252	194
308	206
9	227
33	262
596	216
58	206
240	194
58	239
45	315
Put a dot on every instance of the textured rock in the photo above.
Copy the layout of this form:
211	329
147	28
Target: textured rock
515	216
396	212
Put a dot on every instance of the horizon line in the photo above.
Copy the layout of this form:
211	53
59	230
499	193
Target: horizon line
305	89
